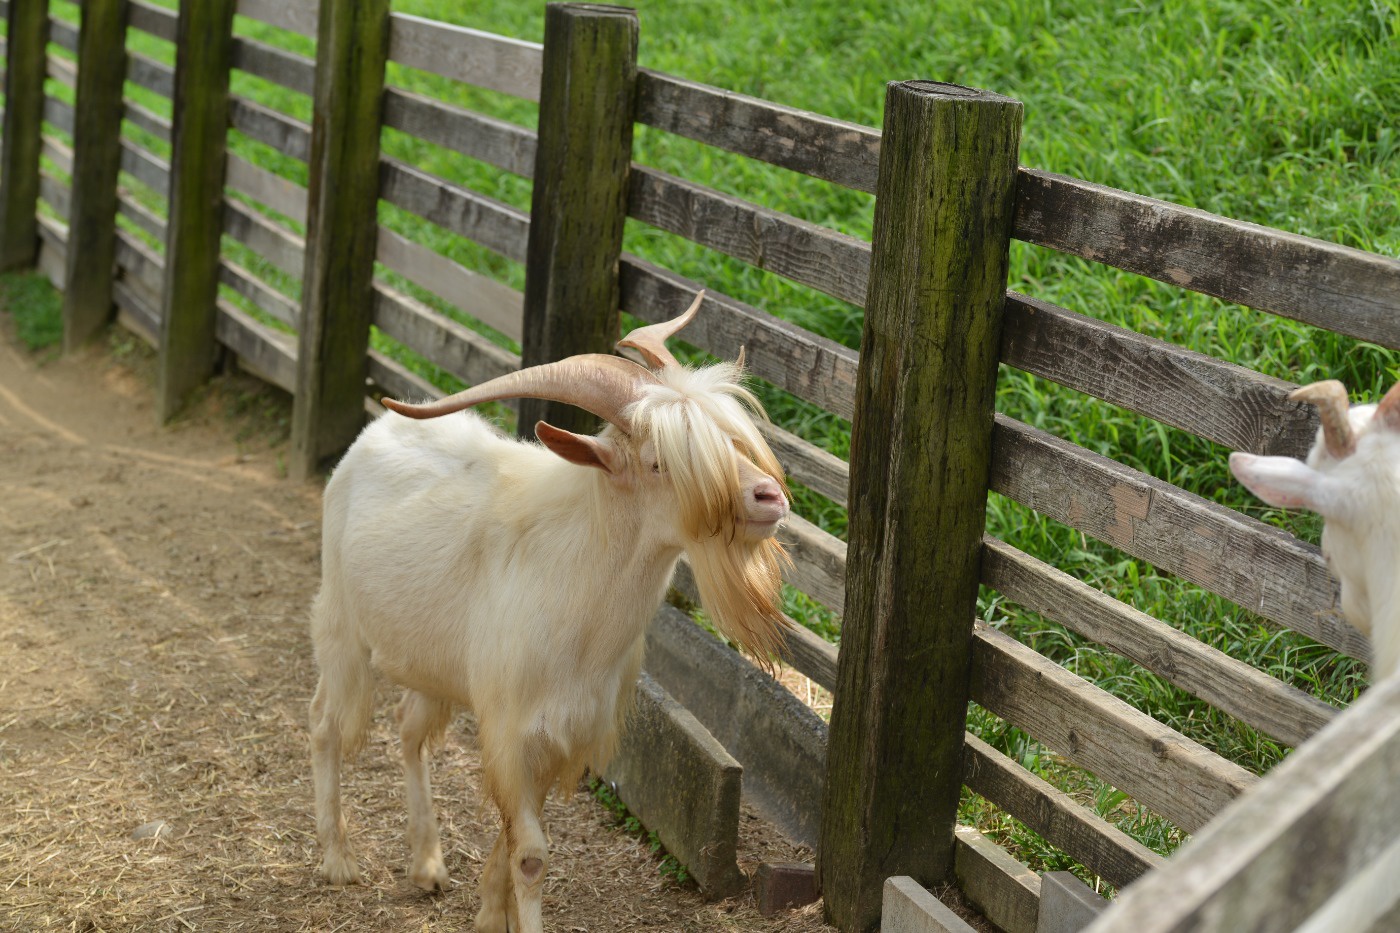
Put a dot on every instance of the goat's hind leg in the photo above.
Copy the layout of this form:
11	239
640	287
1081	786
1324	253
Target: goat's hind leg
340	715
422	721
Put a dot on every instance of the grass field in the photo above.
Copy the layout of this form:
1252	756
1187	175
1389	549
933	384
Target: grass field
1279	113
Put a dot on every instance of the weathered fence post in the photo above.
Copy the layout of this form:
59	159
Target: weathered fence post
337	295
579	203
203	58
26	38
919	461
97	124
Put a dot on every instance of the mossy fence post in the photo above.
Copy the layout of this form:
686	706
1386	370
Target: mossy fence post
579	203
26	39
337	296
92	218
203	59
920	451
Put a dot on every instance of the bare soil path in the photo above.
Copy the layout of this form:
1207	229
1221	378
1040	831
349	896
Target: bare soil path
155	666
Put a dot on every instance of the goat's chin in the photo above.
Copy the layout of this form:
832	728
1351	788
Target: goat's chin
740	584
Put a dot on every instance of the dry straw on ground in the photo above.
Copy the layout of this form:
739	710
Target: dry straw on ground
154	666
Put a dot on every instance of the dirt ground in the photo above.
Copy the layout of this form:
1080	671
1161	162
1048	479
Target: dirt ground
155	666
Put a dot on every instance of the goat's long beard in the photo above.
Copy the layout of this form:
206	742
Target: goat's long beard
741	588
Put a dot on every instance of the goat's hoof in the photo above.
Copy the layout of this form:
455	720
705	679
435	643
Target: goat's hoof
339	868
430	875
491	921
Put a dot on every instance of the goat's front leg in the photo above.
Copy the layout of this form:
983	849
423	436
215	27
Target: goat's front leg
422	721
512	884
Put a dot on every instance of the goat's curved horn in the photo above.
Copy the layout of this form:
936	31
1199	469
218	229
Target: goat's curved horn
1330	397
598	383
1388	411
650	341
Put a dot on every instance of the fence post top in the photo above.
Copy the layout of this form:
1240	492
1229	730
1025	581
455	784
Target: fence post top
594	9
925	88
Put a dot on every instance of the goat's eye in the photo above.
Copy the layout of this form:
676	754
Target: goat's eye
656	467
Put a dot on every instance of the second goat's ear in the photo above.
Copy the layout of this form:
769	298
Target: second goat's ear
1288	483
582	449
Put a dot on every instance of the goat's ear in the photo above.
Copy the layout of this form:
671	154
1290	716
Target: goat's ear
1289	484
581	449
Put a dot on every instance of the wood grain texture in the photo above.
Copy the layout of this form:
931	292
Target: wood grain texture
1211	398
1155	764
292	71
287	135
277	245
819	562
188	345
807	253
1251	696
27	35
813	368
337	300
476	135
440	340
1260	568
497	63
298	16
578	204
1281	853
489	301
97	152
833	150
491	223
1086	837
1342	289
1005	891
920	450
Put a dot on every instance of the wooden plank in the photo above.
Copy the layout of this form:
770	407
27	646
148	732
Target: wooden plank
266	298
1258	567
138	263
497	63
157	21
1280	854
491	223
578	207
97	152
150	74
1005	891
298	16
61	70
497	305
188	345
1345	290
27	31
336	298
475	135
63	34
152	123
277	245
808	253
1222	402
58	153
146	167
287	135
818	562
817	469
136	311
58	114
441	340
1155	764
813	368
282	195
52	253
1090	840
1251	696
833	150
54	193
128	207
268	353
292	71
394	380
920	454
908	907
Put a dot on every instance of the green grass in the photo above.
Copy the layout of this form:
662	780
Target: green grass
36	307
1279	113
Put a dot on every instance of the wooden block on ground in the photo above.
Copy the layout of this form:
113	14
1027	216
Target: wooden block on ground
1067	905
1005	891
681	783
909	908
783	885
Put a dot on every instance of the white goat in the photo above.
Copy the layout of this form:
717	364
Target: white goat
517	581
1352	479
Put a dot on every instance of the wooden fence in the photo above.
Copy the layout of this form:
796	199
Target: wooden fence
926	444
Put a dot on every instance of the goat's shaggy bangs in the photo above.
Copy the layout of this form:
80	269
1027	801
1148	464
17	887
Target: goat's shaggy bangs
699	421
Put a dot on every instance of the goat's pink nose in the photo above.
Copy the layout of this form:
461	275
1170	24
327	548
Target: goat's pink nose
767	502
